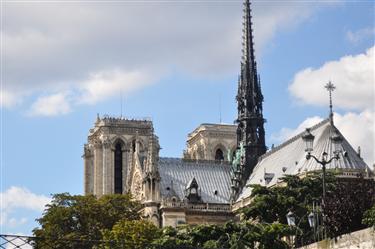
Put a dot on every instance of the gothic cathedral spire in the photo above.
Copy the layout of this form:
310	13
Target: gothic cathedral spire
250	130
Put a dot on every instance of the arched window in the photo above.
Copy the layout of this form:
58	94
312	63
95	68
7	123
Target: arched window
133	145
118	169
219	155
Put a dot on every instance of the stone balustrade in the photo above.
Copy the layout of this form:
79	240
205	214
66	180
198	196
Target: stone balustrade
196	206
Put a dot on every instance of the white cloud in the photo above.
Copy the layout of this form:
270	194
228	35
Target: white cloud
50	49
358	129
352	75
16	198
108	83
13	222
286	133
356	37
50	105
9	99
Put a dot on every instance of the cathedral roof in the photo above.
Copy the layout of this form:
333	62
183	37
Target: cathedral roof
289	158
212	178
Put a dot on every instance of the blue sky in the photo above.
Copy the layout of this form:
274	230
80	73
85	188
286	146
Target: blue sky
176	62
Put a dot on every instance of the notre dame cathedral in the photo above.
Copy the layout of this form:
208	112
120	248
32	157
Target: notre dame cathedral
219	164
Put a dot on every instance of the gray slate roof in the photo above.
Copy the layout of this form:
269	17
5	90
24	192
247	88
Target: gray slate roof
291	158
210	176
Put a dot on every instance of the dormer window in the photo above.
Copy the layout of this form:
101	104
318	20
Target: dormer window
191	191
268	177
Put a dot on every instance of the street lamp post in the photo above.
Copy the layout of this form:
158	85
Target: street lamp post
291	219
336	140
312	222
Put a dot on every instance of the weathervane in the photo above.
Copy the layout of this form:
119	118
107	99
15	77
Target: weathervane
330	88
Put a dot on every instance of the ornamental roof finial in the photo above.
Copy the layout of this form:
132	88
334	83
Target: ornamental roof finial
330	88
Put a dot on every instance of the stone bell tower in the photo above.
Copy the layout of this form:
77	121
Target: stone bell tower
115	156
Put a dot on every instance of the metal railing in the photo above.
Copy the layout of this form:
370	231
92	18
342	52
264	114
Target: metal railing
11	241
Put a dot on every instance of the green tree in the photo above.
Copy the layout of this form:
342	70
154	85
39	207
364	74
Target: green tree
345	206
346	201
130	234
230	235
74	221
369	217
294	193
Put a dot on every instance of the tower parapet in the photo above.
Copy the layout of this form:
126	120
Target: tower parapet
115	155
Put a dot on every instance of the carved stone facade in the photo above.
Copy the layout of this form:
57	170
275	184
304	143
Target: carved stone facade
115	156
211	142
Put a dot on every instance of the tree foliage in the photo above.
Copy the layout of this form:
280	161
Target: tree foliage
345	203
231	235
369	217
345	206
70	219
130	234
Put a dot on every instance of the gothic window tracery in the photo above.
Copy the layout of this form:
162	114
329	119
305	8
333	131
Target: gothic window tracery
118	168
219	155
133	145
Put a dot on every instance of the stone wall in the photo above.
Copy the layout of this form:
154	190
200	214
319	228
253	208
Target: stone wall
363	239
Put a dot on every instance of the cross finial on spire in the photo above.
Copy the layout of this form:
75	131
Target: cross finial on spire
330	88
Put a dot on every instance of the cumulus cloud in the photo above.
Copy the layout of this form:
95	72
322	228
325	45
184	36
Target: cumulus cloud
104	84
357	36
50	49
286	133
13	222
353	76
8	99
50	105
19	198
359	128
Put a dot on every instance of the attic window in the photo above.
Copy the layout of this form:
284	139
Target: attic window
216	192
268	177
168	188
191	191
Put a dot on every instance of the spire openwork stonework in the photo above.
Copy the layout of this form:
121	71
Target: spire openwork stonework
250	121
